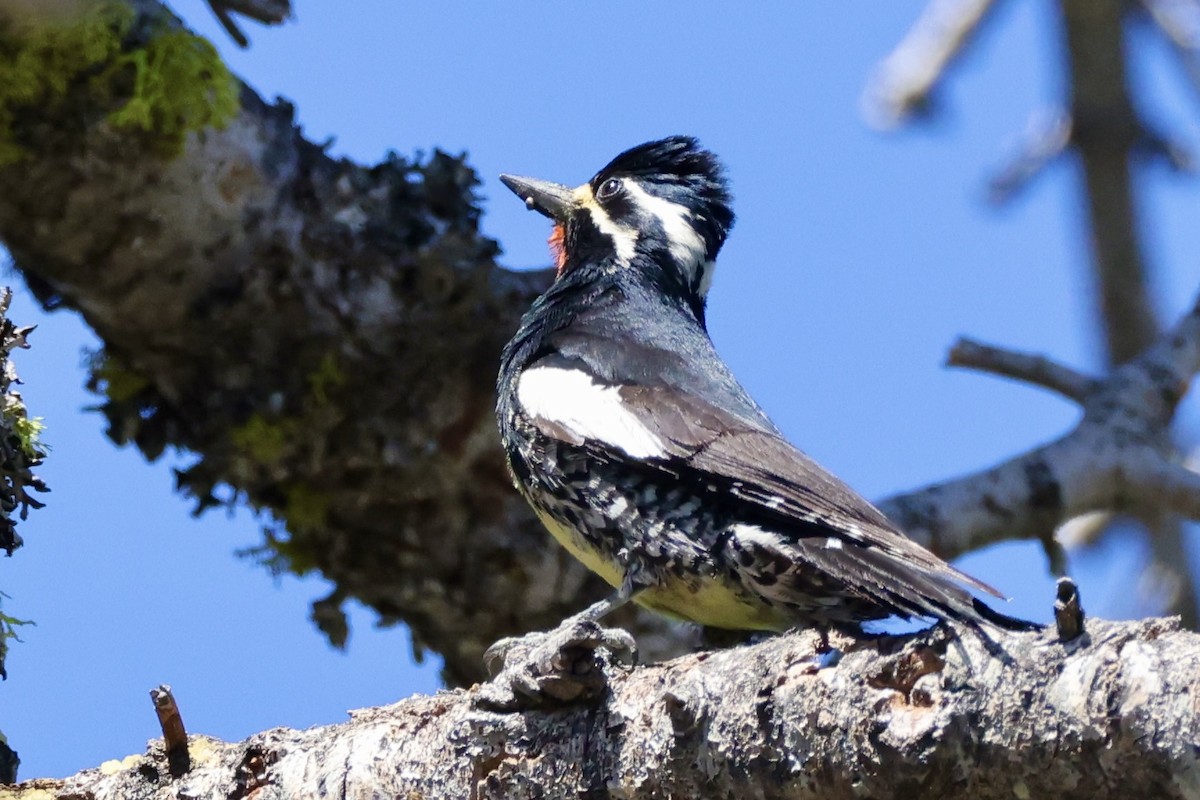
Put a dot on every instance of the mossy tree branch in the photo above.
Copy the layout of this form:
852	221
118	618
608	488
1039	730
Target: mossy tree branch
267	307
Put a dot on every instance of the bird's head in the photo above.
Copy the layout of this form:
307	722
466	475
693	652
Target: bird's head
662	205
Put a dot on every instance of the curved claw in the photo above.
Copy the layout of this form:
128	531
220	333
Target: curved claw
558	666
495	656
618	641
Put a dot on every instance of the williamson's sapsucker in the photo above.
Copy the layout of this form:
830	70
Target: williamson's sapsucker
647	460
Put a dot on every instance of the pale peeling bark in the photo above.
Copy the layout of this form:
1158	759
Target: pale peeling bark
1112	715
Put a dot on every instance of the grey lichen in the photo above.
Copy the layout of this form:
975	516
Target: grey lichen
21	448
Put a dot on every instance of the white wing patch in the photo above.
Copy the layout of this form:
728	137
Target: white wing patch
753	534
685	243
570	399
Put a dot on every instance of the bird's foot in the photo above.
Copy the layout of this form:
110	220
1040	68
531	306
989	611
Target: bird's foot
570	664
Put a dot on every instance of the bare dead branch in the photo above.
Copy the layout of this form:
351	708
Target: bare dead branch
1167	581
1047	139
1030	368
268	12
170	721
1179	23
902	85
1173	152
1084	530
1106	133
226	19
1068	610
1114	459
1178	486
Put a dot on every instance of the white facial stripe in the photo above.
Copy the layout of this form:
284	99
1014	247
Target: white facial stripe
707	270
685	243
624	239
571	400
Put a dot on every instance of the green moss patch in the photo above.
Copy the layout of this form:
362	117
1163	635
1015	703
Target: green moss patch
171	84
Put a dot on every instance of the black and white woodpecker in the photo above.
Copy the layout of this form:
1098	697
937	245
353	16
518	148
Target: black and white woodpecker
646	459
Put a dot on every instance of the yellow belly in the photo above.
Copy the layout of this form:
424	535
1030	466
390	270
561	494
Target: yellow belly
700	599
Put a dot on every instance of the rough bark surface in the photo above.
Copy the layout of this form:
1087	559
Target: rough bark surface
1110	715
269	309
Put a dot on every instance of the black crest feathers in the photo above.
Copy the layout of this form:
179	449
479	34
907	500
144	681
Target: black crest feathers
679	166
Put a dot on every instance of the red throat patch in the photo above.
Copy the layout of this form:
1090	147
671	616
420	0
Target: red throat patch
558	249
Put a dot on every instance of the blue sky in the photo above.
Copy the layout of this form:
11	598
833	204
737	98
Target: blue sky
856	260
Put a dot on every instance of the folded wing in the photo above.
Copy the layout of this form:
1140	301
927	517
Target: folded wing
797	512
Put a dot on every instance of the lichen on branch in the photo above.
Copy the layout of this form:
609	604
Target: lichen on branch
21	450
161	81
21	447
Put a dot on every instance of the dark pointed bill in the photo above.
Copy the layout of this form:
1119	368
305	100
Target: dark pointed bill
546	197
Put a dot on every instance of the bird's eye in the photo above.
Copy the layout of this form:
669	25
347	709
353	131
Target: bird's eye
609	189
